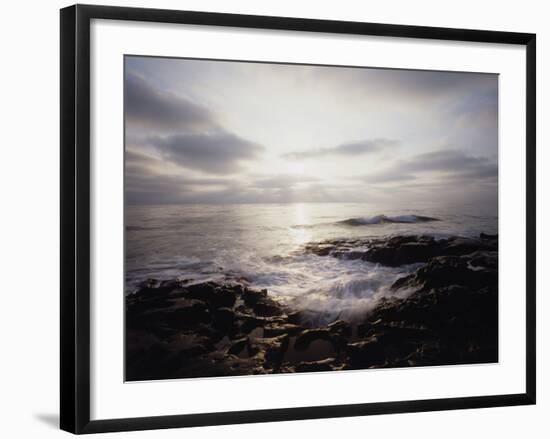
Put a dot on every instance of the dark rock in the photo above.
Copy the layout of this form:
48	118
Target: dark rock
340	327
238	346
172	284
267	307
189	312
348	254
448	270
185	314
407	253
271	350
366	353
156	362
275	329
403	282
215	295
464	246
251	297
320	249
446	313
451	317
225	297
223	319
294	317
207	330
190	345
316	366
310	335
249	323
484	259
402	250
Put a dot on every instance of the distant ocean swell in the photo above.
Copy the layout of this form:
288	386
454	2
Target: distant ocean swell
375	220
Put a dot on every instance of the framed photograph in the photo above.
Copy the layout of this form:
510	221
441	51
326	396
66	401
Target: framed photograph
274	218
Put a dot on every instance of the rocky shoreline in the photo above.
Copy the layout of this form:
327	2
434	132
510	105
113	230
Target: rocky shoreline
176	329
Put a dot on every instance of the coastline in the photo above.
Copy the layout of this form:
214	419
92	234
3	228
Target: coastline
177	329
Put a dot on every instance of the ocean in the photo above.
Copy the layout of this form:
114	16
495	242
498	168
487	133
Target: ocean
263	244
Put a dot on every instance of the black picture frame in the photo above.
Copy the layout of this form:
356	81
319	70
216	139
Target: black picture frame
75	217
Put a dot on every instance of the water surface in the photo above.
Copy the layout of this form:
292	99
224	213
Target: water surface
263	243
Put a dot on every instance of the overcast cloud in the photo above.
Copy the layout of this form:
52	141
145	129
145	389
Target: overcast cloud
229	132
346	149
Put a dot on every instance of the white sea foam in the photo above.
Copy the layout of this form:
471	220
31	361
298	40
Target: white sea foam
329	287
261	245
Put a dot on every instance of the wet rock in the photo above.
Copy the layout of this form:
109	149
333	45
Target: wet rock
295	317
340	327
251	297
190	345
454	270
223	319
275	329
271	350
172	284
485	259
405	253
451	317
216	296
325	365
463	246
218	364
147	287
403	250
249	323
186	313
310	335
225	297
366	353
208	331
267	307
446	312
155	362
320	249
238	346
350	255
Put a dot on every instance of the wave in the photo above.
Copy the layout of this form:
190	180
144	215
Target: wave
373	220
383	219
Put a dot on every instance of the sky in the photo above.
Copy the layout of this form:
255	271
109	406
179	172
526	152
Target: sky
203	131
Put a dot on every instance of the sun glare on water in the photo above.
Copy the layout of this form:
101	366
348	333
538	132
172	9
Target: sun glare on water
300	235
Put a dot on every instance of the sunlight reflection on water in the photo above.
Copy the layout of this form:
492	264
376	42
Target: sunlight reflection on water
263	243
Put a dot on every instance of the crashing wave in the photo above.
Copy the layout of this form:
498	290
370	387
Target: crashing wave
383	219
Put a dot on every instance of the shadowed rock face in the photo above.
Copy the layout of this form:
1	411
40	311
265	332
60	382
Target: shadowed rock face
175	329
402	250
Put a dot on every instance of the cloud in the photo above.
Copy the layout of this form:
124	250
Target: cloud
404	86
146	184
194	131
181	131
451	161
345	149
218	152
148	107
282	181
443	164
386	177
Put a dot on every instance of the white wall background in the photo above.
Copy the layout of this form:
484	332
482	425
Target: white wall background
29	248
